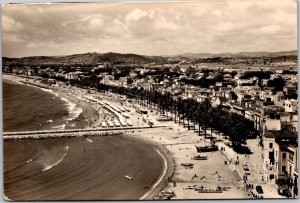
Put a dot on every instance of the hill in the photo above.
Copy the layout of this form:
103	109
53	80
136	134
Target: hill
117	58
240	54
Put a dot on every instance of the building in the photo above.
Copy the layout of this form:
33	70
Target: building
280	150
290	105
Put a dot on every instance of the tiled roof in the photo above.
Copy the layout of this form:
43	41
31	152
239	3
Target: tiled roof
286	133
270	134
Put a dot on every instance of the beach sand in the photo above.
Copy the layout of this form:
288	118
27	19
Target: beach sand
178	146
179	143
91	115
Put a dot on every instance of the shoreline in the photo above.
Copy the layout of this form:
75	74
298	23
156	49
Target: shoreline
83	119
177	144
169	170
87	111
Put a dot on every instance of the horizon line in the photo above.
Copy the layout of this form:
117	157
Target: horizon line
162	55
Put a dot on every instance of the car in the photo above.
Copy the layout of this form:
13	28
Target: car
229	144
259	189
247	173
245	167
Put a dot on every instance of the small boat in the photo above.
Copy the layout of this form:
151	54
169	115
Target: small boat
128	177
199	157
187	164
207	148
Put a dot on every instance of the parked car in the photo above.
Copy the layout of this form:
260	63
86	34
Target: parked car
245	167
259	189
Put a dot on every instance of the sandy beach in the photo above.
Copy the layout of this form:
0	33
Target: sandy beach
86	114
177	144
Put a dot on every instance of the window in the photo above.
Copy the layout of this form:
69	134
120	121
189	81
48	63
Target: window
283	169
291	157
284	155
270	145
271	177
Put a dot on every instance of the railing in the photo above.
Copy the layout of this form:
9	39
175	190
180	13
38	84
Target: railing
296	171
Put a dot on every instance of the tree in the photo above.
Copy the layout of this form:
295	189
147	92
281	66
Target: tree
277	83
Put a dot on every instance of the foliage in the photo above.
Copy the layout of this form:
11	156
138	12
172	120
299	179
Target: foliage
237	127
278	83
259	74
203	114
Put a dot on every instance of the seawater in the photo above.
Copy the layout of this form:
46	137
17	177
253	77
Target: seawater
80	168
30	108
74	168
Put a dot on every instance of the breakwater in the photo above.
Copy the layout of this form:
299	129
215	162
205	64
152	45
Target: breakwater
70	133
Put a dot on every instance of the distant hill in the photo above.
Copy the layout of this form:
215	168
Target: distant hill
117	58
240	54
89	58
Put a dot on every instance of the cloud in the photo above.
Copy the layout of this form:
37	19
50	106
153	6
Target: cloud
135	15
149	28
10	25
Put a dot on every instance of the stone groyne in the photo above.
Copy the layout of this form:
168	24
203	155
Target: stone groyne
70	133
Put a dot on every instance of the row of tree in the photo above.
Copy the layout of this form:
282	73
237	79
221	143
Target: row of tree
201	117
197	116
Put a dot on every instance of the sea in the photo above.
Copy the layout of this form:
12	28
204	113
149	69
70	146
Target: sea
28	108
82	168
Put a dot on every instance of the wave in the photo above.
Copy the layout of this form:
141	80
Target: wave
48	164
24	163
27	107
49	91
59	127
49	121
44	89
89	140
32	159
73	109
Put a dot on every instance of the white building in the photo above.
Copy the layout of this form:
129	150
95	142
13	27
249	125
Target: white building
290	105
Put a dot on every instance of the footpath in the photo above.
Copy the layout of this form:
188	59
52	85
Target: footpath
250	169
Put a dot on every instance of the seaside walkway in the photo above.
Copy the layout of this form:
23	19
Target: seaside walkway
71	132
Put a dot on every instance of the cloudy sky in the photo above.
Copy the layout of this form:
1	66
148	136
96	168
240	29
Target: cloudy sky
149	28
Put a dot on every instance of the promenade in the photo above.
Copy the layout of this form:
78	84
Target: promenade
254	162
180	144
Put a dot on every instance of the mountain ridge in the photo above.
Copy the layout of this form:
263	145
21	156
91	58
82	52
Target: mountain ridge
130	58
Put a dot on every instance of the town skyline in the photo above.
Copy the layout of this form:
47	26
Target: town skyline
150	29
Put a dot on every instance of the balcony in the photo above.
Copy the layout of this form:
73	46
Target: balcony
271	168
296	171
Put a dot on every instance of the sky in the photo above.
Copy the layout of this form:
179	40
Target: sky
149	28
